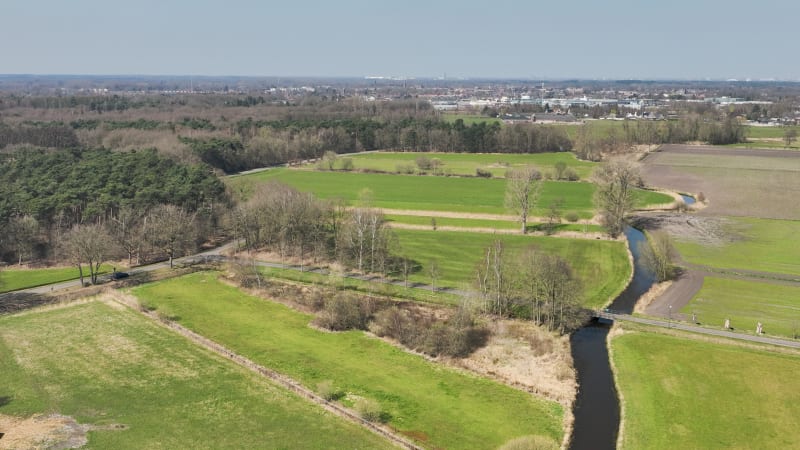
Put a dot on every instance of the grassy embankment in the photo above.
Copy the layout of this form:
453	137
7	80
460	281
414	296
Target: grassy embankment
440	407
467	163
429	193
603	266
16	279
685	393
106	366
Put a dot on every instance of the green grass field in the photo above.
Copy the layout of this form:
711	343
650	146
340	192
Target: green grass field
15	279
745	303
756	133
105	366
440	407
486	223
377	288
470	119
759	244
682	393
429	193
602	265
467	163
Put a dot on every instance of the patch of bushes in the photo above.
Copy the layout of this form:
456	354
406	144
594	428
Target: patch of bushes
368	409
571	216
407	169
345	311
483	173
456	337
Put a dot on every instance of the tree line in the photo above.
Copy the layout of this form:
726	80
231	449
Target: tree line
44	194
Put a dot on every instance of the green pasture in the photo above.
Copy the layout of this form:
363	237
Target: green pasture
106	365
762	245
470	119
371	287
467	163
603	266
756	133
438	406
431	193
745	303
488	224
16	279
684	393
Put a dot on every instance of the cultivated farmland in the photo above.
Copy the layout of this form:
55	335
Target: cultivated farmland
437	406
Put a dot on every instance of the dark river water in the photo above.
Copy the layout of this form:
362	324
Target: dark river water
596	408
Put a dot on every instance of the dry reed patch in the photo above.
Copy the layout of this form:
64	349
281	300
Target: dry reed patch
525	355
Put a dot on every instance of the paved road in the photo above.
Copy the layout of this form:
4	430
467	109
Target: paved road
709	331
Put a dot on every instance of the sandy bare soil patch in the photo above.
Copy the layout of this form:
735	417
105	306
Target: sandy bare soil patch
52	431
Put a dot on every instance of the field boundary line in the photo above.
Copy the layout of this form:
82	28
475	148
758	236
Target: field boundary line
281	380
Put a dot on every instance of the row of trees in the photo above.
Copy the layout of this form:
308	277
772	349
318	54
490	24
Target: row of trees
296	224
166	231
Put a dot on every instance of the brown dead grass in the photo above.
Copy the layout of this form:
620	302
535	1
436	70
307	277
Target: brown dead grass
52	431
526	356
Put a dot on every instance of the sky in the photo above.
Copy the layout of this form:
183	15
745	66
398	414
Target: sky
524	39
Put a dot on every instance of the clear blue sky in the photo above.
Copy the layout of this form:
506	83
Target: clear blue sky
487	38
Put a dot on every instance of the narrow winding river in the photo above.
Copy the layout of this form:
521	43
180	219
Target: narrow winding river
597	411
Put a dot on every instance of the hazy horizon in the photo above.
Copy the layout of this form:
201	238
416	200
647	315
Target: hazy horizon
618	39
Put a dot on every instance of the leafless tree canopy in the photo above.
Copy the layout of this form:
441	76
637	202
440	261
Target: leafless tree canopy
616	180
522	192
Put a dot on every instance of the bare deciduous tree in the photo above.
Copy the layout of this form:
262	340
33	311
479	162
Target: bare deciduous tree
87	244
522	192
616	180
171	230
658	254
23	232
